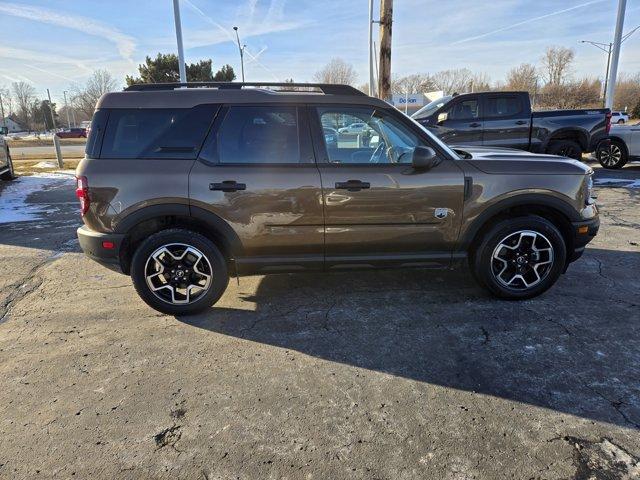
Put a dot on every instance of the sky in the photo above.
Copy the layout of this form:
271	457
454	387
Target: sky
58	43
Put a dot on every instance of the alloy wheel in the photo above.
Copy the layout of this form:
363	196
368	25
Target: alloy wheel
610	155
178	274
522	260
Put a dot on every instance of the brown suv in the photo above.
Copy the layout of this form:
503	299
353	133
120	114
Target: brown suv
185	184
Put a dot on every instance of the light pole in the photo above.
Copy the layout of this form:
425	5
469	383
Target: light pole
241	50
607	48
176	17
66	108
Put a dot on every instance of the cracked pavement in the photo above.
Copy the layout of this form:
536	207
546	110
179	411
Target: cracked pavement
386	375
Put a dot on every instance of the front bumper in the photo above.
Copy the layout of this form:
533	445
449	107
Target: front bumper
104	248
583	233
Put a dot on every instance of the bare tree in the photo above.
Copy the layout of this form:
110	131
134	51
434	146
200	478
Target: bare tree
556	64
24	96
84	98
627	92
336	71
416	83
7	101
524	77
453	81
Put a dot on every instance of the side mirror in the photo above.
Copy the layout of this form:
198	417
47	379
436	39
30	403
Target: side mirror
442	117
4	130
424	158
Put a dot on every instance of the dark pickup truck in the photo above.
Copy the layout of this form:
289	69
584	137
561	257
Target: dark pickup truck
505	119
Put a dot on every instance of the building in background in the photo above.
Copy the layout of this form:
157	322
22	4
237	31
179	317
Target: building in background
412	102
12	125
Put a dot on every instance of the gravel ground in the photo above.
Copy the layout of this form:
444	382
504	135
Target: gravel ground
379	375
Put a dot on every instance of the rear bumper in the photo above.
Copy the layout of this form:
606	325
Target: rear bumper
104	248
583	233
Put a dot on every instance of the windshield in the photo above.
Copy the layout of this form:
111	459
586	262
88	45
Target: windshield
435	139
428	109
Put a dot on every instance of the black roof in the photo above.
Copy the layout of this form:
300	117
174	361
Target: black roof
186	95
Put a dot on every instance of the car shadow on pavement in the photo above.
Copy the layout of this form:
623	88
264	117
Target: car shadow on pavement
575	349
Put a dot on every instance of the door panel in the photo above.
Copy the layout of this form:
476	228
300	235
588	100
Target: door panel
378	209
506	122
395	218
273	201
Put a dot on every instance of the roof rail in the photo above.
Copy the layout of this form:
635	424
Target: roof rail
326	88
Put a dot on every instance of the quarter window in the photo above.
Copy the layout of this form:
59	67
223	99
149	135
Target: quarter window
156	133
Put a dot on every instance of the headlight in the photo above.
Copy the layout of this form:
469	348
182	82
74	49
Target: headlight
588	186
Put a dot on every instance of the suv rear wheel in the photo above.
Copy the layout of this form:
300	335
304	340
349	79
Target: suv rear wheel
613	155
520	257
179	272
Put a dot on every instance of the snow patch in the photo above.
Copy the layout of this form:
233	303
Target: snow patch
618	182
13	198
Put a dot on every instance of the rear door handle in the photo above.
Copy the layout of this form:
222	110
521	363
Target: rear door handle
475	124
228	186
521	122
352	185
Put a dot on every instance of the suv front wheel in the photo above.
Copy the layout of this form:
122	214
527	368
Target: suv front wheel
520	257
179	272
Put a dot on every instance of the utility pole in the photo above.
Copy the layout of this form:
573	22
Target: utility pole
372	88
615	56
181	65
386	20
4	121
56	140
241	50
66	109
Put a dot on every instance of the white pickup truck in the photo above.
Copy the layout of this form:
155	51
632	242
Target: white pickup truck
622	145
6	166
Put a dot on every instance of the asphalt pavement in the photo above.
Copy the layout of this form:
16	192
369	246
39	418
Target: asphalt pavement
386	375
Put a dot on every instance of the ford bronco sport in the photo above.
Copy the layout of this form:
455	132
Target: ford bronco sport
184	185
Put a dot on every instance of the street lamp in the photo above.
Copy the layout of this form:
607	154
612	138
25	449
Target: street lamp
241	50
608	48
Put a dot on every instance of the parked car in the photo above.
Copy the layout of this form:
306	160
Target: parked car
182	187
6	165
619	117
505	119
354	128
622	145
73	133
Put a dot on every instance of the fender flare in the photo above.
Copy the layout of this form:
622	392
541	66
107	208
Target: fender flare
582	134
208	220
519	200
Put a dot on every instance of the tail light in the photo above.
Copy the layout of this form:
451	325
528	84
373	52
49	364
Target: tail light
608	127
82	192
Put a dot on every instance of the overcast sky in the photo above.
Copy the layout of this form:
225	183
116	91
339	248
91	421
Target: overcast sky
56	43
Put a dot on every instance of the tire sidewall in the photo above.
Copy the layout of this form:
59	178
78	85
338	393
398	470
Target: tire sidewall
219	281
482	258
623	158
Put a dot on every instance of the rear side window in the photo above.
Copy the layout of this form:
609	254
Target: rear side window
261	134
157	133
503	106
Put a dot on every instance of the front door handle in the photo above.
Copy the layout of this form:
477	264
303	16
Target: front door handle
521	122
228	186
475	124
352	185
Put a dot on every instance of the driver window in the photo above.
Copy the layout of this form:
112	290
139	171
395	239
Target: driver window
464	110
365	136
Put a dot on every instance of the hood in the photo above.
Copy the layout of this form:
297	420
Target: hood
510	161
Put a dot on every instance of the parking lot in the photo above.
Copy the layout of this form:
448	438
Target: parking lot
385	375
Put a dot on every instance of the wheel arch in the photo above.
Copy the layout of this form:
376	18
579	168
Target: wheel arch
574	134
146	221
558	212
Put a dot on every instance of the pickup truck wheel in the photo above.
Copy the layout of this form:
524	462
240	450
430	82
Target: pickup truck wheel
613	156
520	257
8	175
565	148
179	272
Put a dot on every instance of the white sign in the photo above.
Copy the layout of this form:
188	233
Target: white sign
411	100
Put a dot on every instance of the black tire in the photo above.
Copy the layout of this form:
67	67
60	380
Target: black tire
565	148
9	175
619	122
485	267
179	238
613	156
